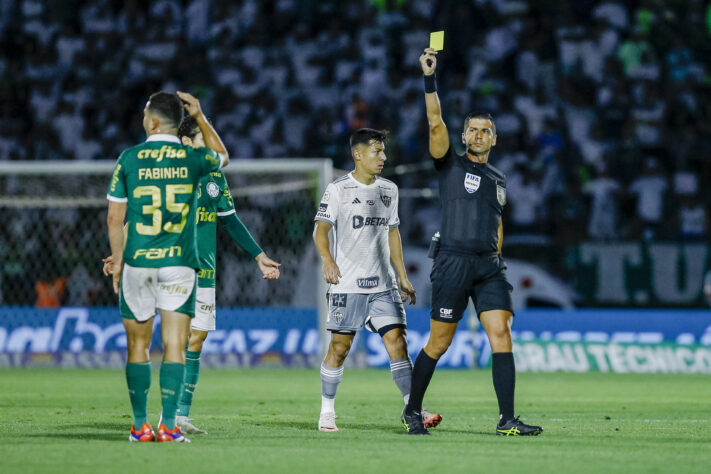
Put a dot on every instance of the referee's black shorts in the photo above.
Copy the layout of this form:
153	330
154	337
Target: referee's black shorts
457	277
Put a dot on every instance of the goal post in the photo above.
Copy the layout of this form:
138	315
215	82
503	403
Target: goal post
55	213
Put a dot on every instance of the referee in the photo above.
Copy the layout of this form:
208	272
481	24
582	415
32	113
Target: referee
467	261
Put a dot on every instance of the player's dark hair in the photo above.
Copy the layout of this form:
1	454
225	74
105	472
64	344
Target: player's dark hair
481	115
363	136
188	127
167	105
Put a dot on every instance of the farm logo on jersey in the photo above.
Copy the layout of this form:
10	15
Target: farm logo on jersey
370	282
213	190
360	221
385	199
338	300
322	207
471	182
501	194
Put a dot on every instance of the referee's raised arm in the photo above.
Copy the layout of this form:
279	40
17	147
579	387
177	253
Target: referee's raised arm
439	138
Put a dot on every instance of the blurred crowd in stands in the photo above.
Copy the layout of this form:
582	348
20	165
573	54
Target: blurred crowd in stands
603	108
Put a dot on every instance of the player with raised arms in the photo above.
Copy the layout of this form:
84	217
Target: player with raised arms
154	188
361	208
214	203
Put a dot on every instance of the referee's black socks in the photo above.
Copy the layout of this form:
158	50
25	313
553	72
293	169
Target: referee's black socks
503	372
421	376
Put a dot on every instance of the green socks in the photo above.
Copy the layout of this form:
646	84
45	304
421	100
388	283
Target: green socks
138	379
171	379
192	372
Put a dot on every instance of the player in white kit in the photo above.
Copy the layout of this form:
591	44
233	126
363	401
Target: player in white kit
361	208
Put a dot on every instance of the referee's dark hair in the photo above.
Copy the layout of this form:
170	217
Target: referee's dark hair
363	136
188	127
167	105
481	115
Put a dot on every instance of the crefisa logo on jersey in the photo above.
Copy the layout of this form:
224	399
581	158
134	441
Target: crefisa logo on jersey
370	282
385	199
213	190
471	182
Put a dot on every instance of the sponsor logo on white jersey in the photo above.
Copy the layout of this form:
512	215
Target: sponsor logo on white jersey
369	282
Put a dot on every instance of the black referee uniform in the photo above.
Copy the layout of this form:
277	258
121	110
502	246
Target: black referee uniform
467	263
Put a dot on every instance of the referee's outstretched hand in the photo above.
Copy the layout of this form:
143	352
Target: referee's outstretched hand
407	291
428	61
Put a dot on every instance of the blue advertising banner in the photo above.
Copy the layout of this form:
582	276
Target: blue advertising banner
545	340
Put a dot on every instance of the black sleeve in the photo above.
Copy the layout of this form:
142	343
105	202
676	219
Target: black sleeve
444	162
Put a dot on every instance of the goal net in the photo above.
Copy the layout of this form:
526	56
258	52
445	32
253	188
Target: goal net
54	234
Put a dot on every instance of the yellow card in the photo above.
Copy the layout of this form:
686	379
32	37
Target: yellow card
437	40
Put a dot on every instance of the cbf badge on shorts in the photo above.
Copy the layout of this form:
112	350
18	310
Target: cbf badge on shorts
471	182
501	194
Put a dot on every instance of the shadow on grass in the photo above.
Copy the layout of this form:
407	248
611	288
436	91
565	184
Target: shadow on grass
392	428
101	431
83	436
99	426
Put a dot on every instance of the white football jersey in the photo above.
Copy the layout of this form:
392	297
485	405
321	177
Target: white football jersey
361	216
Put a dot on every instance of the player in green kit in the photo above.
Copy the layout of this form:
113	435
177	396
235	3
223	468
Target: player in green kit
214	203
154	189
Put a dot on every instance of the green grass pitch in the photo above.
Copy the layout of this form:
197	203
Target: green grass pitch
265	421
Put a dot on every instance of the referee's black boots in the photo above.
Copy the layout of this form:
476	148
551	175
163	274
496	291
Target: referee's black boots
516	427
413	422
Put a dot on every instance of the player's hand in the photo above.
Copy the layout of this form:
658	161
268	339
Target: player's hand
269	268
428	61
331	272
192	104
108	265
407	291
116	270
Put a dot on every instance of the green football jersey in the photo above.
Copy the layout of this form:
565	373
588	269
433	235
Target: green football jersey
214	200
158	180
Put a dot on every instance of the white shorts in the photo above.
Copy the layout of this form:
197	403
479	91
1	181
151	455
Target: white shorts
379	312
205	315
147	290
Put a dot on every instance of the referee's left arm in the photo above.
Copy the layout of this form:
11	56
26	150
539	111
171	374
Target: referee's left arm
501	236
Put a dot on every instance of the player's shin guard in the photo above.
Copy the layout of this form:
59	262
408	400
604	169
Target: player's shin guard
330	379
503	372
171	379
421	376
138	379
402	375
192	373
